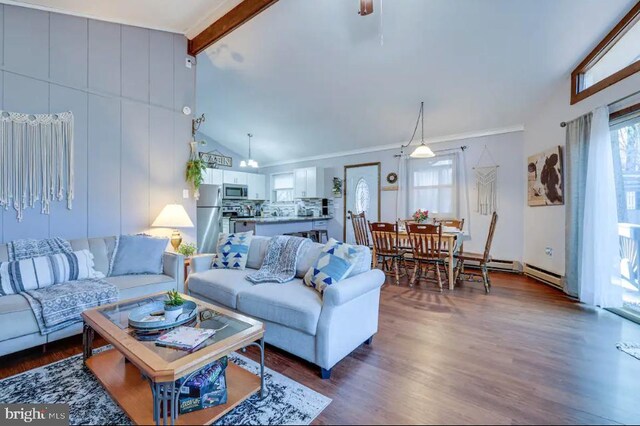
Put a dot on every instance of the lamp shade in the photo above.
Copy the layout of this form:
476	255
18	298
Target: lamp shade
422	151
173	216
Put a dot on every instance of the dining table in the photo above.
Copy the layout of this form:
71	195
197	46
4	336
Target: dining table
451	243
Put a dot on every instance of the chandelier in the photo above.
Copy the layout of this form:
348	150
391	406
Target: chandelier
249	162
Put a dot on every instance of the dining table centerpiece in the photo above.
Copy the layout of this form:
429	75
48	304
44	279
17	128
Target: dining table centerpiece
421	216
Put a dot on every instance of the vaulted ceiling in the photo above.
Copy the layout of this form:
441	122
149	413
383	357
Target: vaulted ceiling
310	78
187	17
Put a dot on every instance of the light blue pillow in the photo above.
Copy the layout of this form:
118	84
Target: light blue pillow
138	254
334	264
233	251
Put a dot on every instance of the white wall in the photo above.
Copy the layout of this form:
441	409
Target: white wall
545	226
126	87
506	149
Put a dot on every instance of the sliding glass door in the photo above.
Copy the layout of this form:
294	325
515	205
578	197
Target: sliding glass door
625	136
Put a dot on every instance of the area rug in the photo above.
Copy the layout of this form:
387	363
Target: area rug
632	349
67	381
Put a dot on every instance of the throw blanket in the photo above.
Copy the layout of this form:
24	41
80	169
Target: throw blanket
28	248
279	264
60	305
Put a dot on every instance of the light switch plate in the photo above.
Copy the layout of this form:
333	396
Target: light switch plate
185	193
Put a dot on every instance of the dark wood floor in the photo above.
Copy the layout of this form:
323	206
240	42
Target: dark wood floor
524	354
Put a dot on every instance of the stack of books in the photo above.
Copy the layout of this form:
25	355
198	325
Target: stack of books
184	338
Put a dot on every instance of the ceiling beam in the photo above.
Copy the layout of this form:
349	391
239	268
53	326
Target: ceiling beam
237	16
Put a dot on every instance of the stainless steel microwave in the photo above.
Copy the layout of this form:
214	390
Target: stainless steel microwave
235	192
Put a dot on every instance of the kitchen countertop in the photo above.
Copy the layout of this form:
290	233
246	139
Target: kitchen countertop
279	219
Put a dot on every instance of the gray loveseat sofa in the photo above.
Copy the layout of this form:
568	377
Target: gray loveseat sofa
18	327
320	329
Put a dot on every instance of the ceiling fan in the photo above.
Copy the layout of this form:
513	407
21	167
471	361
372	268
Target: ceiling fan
366	7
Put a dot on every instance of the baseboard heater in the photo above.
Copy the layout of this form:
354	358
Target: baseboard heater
542	275
498	265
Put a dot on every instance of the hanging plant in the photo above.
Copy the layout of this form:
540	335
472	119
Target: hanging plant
195	170
337	187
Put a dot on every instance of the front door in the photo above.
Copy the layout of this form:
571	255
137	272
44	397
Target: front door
362	194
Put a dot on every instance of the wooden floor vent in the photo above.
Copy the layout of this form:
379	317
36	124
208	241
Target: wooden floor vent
542	275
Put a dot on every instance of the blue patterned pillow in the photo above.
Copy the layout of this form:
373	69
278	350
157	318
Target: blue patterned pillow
334	264
233	251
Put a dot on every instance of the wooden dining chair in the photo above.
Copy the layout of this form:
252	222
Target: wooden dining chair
482	258
404	242
426	245
452	223
360	228
385	240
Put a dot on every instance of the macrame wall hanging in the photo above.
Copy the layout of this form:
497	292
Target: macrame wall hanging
486	184
36	160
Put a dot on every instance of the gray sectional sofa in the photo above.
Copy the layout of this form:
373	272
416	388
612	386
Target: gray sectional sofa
18	327
320	329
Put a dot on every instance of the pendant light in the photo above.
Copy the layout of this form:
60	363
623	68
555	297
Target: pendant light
422	151
250	162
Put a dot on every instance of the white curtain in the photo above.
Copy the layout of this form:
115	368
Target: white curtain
464	210
600	263
403	188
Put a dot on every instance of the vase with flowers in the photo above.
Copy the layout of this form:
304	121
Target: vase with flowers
421	216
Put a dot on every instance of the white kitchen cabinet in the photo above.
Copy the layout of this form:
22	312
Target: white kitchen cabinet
309	182
299	183
237	178
257	186
213	176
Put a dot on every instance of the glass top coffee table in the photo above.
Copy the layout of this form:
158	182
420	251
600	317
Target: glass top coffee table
140	376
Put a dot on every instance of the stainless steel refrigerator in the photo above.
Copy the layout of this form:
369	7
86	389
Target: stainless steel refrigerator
209	217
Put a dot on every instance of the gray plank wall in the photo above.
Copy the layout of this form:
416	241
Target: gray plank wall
126	87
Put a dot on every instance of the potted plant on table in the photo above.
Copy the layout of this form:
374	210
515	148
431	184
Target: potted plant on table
187	249
173	306
421	216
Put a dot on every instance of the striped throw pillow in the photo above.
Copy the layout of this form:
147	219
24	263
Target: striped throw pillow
40	272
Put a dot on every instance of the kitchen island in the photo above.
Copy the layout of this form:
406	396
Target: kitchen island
278	225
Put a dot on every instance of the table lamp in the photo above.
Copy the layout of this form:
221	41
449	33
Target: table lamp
173	216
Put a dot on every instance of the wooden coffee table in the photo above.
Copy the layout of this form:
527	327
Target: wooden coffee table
140	376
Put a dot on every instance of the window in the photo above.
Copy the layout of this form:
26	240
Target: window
282	185
615	58
625	138
432	185
362	196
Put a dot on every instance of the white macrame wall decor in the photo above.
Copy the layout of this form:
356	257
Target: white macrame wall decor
486	185
36	160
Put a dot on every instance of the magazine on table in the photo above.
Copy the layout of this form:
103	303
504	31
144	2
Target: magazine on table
185	338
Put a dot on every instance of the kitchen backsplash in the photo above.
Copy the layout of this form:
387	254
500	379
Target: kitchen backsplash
241	206
289	209
284	209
